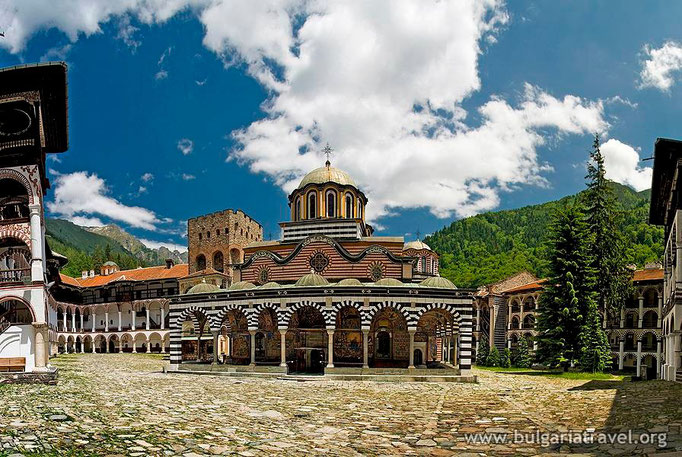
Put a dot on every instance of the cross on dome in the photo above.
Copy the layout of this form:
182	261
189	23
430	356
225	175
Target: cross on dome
328	152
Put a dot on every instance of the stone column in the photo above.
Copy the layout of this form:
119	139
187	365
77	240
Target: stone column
82	345
42	340
509	344
509	315
120	345
621	355
120	320
66	328
132	319
73	322
330	348
478	318
94	320
639	358
82	328
149	348
491	330
163	319
37	274
106	321
253	347
134	347
283	347
660	309
641	312
521	317
92	347
106	346
147	319
622	318
659	345
365	348
411	332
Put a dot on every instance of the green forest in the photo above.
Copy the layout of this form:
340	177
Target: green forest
488	247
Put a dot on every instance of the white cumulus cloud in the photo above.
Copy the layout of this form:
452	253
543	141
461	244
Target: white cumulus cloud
382	81
622	165
157	244
661	66
186	146
80	196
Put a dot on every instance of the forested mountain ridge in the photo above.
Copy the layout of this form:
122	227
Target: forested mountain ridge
488	247
88	249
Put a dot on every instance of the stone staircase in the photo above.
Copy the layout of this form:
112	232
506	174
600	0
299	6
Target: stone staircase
678	376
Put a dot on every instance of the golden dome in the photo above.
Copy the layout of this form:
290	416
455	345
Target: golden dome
416	245
327	174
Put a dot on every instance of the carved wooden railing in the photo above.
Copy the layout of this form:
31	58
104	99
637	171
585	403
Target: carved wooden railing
15	275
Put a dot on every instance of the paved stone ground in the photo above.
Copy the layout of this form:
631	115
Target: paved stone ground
121	404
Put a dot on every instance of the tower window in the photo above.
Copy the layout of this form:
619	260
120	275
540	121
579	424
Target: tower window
331	203
297	209
312	205
349	206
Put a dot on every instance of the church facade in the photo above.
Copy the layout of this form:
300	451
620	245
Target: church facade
328	297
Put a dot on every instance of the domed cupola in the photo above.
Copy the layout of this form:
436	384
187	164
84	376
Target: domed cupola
327	195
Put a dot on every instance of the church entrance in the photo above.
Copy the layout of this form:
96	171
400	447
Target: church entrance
308	341
418	359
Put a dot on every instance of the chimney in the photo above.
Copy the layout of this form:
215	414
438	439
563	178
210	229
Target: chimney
92	273
84	274
169	264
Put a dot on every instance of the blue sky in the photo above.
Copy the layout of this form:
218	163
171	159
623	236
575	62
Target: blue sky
440	110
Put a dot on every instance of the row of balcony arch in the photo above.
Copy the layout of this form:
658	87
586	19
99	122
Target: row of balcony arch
218	260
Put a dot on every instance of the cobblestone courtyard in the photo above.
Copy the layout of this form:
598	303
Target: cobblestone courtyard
122	404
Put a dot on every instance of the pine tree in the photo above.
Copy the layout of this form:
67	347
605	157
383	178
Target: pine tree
595	352
608	246
505	358
493	359
569	289
521	354
483	351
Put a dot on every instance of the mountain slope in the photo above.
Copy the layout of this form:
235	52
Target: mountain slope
153	256
488	247
88	248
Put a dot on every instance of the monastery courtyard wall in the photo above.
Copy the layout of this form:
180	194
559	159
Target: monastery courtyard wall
122	404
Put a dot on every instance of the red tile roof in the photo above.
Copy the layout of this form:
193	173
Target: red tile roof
648	274
527	287
138	274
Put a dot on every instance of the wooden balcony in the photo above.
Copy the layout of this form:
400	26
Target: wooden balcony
15	276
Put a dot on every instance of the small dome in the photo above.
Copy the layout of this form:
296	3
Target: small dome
416	245
349	282
270	285
312	279
438	282
388	282
203	288
327	174
241	285
109	264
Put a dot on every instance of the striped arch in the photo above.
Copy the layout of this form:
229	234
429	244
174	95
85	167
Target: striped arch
252	318
17	234
326	314
190	313
338	306
452	309
368	317
219	317
21	179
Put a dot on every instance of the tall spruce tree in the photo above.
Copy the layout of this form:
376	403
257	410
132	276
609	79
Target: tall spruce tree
608	247
595	353
569	290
